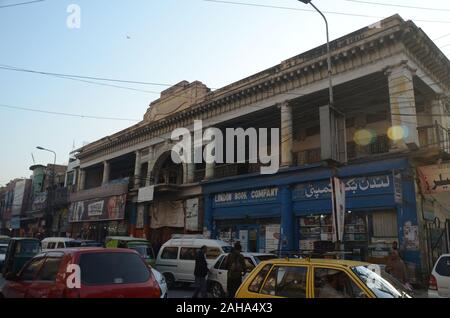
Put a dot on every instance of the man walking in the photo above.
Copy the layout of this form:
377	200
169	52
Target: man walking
236	269
200	272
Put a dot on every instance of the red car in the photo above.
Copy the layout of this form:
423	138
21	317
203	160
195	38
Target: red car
102	273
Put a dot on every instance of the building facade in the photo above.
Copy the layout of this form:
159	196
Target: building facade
391	86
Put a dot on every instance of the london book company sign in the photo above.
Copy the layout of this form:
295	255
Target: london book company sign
246	197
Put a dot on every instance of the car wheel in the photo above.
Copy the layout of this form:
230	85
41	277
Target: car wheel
170	280
217	290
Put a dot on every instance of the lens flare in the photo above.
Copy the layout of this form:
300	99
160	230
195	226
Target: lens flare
364	137
397	132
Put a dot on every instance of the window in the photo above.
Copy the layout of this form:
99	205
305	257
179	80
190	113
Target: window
188	253
212	252
219	261
286	281
113	268
383	286
384	224
30	271
60	245
51	245
169	253
443	266
224	264
255	285
332	283
50	269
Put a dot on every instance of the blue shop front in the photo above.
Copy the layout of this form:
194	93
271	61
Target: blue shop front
291	211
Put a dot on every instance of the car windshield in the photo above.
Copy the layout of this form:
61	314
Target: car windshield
382	285
226	249
144	250
28	247
73	244
261	258
3	249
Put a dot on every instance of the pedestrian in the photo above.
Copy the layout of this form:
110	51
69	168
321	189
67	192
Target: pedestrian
200	272
396	267
236	269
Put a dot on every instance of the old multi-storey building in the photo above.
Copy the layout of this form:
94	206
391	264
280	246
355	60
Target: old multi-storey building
391	83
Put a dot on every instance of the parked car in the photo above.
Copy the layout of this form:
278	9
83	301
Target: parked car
51	243
217	277
104	273
142	246
439	285
162	282
3	248
319	278
176	258
19	251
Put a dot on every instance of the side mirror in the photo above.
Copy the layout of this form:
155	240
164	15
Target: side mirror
12	276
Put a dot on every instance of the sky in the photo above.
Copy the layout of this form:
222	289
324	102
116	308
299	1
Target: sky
158	41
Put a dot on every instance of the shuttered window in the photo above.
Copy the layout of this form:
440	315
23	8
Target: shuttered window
384	224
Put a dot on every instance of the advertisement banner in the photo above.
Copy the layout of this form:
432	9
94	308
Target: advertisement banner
110	208
192	215
272	237
167	213
19	195
338	213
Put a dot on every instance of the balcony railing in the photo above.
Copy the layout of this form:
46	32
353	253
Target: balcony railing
308	156
434	136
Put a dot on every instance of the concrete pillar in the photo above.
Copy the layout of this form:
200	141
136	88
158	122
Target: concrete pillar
137	170
106	170
402	104
287	219
151	155
82	179
190	166
441	122
286	134
208	225
209	170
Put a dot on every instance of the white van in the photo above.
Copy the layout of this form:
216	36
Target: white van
51	243
176	258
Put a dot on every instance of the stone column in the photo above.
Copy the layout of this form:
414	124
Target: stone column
402	104
190	166
137	170
106	170
440	122
286	134
82	179
151	155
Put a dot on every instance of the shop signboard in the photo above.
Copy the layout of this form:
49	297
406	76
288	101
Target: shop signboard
358	186
145	194
140	217
19	197
435	182
255	196
398	187
109	208
39	201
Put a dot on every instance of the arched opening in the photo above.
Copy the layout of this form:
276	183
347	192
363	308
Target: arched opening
166	171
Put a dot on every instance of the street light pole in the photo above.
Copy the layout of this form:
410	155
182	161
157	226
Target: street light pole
330	72
50	201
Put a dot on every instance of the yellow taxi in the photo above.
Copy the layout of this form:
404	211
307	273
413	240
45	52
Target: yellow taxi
320	278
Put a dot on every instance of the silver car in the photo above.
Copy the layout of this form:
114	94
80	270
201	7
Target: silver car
217	276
